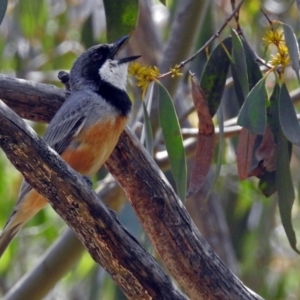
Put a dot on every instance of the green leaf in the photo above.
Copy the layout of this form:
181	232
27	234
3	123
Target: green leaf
147	133
253	112
148	130
237	86
253	72
239	61
173	140
164	2
287	116
267	182
253	69
293	47
121	18
284	184
285	188
214	75
274	118
3	7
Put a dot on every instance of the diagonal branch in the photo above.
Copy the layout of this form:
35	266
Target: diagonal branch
107	241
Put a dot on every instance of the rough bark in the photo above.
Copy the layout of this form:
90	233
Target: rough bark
108	242
184	251
32	101
62	255
186	254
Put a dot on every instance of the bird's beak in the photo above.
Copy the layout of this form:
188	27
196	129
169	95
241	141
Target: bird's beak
117	46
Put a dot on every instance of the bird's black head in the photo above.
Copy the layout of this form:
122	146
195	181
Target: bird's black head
98	65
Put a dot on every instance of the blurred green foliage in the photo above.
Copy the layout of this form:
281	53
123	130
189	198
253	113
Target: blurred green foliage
37	39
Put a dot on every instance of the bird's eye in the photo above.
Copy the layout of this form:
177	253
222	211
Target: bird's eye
96	56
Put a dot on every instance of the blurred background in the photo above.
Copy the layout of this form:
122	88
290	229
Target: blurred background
38	38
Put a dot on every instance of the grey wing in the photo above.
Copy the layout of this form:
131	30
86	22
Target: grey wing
58	136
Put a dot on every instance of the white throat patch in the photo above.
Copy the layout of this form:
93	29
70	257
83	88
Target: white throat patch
114	73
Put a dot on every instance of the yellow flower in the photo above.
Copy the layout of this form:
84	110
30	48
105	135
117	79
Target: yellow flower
175	71
281	58
143	74
273	36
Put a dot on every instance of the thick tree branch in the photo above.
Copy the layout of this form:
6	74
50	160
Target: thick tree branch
32	101
188	257
107	241
184	251
62	255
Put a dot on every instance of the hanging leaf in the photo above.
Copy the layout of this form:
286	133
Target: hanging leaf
214	75
253	69
3	7
287	116
267	182
244	153
293	47
274	117
205	139
148	130
121	18
253	112
266	151
239	62
284	184
147	133
285	188
173	140
255	153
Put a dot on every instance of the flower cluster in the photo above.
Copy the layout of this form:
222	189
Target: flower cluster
175	71
144	75
282	58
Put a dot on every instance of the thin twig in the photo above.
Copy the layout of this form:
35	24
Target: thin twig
215	36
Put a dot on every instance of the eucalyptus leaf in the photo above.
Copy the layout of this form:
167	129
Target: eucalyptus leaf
284	184
293	47
147	133
173	140
253	69
3	7
239	61
267	182
285	188
121	18
214	75
287	116
253	112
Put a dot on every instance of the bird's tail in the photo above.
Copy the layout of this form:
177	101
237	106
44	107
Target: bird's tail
7	235
25	209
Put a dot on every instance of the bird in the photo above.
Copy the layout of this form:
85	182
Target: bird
87	127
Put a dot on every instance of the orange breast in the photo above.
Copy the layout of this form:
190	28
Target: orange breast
86	154
92	146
